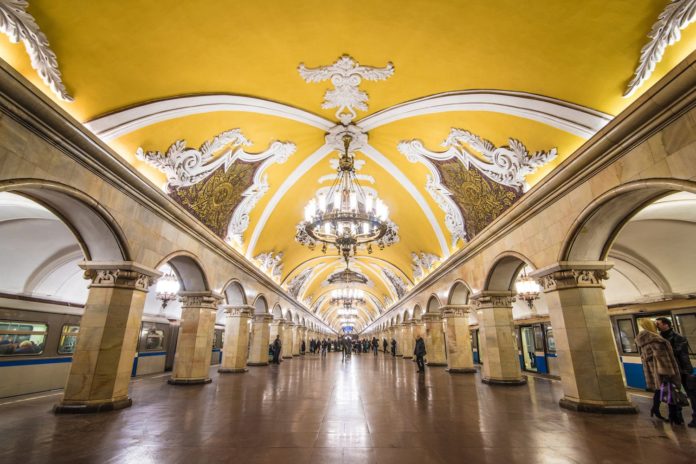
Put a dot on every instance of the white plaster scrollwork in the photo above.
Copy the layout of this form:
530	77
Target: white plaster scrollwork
378	304
506	165
18	25
676	16
185	166
297	283
454	221
345	75
271	264
422	263
240	218
396	283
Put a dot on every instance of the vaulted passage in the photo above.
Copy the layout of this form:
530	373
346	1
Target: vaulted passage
313	410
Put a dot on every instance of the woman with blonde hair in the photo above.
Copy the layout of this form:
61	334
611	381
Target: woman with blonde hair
659	365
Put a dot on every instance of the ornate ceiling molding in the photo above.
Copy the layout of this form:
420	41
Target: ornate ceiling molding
568	117
676	16
506	165
396	284
296	286
345	75
18	25
272	264
423	263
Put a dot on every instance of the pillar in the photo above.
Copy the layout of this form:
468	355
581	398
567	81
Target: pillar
587	356
260	339
434	339
460	359
234	353
501	364
296	339
103	361
286	337
195	342
399	335
407	339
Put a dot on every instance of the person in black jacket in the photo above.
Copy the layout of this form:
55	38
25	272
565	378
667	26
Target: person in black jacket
419	353
680	348
384	345
277	347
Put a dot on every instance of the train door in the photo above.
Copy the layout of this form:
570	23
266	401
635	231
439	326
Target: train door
551	357
476	347
528	348
171	347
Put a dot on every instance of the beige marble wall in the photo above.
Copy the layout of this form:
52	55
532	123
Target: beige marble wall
408	340
286	330
260	339
434	340
234	353
296	337
458	339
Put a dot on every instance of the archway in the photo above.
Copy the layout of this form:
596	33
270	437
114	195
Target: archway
459	294
234	294
260	305
433	304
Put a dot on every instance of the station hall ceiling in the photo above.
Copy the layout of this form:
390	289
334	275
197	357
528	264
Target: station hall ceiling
464	105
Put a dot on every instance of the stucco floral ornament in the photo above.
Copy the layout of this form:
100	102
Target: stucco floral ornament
18	25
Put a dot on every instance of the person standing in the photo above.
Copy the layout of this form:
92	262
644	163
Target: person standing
680	349
277	347
659	366
324	347
393	347
303	347
384	345
419	353
375	345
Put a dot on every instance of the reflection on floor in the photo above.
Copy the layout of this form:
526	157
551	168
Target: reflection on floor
367	410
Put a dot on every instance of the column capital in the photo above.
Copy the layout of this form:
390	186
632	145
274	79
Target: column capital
263	317
452	311
573	274
431	317
200	299
120	274
241	310
491	299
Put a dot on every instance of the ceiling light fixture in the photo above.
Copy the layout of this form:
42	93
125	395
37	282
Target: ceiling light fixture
527	288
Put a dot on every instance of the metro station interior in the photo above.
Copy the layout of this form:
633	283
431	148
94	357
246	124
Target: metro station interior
227	228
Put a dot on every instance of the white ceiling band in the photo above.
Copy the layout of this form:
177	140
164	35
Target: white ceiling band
569	117
126	121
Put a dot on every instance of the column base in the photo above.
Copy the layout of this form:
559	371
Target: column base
257	364
87	408
188	381
580	406
436	364
238	370
461	370
521	381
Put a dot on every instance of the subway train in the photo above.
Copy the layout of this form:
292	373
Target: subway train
38	340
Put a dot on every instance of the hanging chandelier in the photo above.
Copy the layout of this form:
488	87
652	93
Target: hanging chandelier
347	276
527	288
347	296
346	217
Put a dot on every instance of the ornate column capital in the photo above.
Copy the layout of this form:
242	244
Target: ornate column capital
120	274
573	274
262	318
207	299
453	311
238	311
490	299
431	317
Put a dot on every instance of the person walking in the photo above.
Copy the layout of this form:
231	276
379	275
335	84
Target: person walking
384	345
303	347
419	353
324	347
375	345
659	366
393	347
680	349
277	347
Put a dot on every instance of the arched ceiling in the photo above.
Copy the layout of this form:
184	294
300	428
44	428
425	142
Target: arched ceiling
144	75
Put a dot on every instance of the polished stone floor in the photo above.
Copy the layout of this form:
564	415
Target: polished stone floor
313	410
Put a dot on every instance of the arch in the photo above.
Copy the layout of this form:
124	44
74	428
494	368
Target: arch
502	274
234	293
99	235
433	304
277	312
408	315
399	319
189	269
594	231
260	305
417	313
296	318
459	294
287	315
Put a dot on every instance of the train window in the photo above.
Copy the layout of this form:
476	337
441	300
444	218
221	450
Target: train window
550	340
22	338
154	339
687	327
538	337
627	335
68	339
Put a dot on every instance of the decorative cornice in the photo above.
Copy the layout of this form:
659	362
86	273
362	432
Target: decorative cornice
676	16
452	311
238	311
487	299
18	25
345	75
126	274
262	318
207	299
566	275
431	317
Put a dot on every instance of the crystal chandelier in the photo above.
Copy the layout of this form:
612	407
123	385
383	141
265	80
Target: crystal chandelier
347	296
527	288
347	276
346	217
167	288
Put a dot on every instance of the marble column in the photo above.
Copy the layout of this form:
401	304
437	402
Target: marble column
587	356
286	337
399	335
103	361
260	339
434	340
460	359
501	364
407	339
235	351
195	341
296	339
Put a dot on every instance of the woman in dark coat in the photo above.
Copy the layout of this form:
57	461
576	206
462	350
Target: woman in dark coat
659	365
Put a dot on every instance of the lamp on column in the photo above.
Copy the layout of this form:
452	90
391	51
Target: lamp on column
167	288
527	288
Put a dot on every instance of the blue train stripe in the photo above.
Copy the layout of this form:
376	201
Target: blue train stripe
30	362
151	353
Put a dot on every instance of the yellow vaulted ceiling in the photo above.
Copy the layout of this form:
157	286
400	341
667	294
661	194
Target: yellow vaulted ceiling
123	54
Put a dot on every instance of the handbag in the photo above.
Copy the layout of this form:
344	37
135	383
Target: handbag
670	394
